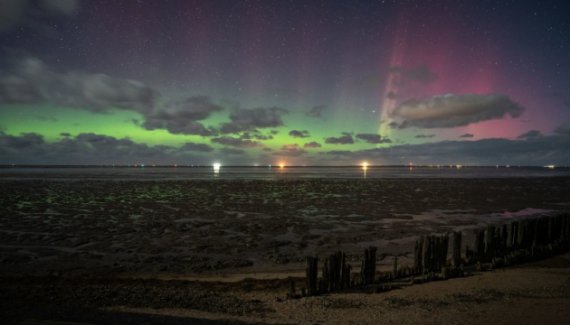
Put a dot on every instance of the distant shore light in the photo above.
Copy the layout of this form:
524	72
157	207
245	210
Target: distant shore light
281	165
216	167
364	164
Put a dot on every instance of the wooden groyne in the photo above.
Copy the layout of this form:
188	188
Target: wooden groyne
439	256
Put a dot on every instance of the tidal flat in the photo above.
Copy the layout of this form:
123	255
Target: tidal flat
223	227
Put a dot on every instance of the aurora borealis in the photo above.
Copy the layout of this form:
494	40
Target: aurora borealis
306	82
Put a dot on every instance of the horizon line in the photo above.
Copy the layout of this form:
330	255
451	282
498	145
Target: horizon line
456	166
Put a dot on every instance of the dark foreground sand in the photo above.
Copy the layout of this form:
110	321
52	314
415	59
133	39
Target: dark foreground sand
120	252
536	293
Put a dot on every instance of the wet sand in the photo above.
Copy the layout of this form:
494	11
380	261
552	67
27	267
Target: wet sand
220	227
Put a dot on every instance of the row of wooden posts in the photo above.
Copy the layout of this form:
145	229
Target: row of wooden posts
494	246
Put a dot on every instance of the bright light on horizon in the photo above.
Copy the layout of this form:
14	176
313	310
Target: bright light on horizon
281	165
364	164
216	167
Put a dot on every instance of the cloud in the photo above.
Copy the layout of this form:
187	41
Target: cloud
451	110
232	151
299	133
420	74
345	138
253	118
89	148
62	7
236	142
291	150
467	135
30	81
316	111
563	129
424	136
15	13
200	147
532	134
339	153
312	144
372	138
537	151
85	148
180	117
257	136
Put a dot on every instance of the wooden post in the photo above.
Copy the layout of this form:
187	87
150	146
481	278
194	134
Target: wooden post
395	268
479	245
444	250
418	255
311	275
368	270
489	243
456	256
426	255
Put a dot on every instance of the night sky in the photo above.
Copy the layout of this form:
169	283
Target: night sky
300	82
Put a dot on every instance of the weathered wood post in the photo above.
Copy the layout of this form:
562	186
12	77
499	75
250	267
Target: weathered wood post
395	268
479	245
418	255
311	272
444	250
489	243
456	256
368	270
426	254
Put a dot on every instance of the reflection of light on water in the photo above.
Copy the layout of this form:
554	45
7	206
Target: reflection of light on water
216	167
364	166
550	166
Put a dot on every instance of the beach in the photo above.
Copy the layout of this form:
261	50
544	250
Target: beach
224	249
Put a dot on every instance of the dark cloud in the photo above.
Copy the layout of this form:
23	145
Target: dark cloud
372	138
88	148
532	134
85	148
200	147
450	110
312	144
537	151
232	151
254	118
339	153
24	141
235	142
257	136
299	133
424	136
396	125
420	74
30	81
316	111
563	129
467	135
345	138
15	13
182	116
291	150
